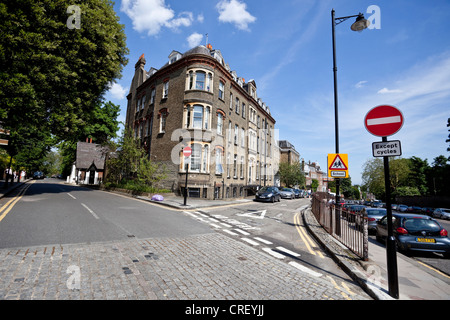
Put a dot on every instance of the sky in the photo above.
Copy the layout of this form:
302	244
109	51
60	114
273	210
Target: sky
402	59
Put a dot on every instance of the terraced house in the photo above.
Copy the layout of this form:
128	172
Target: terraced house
196	100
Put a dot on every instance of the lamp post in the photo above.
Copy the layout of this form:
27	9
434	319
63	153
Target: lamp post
359	25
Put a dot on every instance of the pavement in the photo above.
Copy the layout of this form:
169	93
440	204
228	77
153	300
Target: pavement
205	266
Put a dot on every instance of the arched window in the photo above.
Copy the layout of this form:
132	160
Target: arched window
200	80
198	117
196	157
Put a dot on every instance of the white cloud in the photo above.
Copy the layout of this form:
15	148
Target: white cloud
151	15
360	84
234	11
194	39
386	90
117	91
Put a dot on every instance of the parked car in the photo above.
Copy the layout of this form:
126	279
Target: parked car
394	206
414	209
352	211
297	193
442	213
415	232
373	216
271	194
428	211
402	208
287	193
38	175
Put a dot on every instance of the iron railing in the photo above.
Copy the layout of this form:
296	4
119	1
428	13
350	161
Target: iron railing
349	228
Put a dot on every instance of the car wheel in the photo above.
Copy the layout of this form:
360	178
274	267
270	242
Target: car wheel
273	199
279	199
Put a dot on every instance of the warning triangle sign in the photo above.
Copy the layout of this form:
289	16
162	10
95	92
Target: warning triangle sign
338	164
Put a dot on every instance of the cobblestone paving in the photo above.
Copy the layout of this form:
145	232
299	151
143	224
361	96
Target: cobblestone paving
208	266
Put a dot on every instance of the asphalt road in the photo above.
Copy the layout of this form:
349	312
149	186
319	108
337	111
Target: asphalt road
51	212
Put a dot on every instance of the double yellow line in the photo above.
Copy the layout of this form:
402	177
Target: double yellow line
11	203
306	239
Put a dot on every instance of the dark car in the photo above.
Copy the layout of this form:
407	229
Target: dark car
38	175
297	193
416	232
271	194
414	209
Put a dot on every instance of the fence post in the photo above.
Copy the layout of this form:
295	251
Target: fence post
365	237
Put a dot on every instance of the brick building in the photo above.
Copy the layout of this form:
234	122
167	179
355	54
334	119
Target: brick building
196	100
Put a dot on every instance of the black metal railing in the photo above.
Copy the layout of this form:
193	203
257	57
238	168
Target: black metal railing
350	228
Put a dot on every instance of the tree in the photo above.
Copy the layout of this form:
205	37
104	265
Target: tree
291	174
53	76
132	166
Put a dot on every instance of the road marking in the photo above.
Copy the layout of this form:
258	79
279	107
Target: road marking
339	288
306	239
11	203
292	253
263	240
274	253
385	120
225	225
71	196
245	233
230	232
215	225
92	212
305	269
250	241
431	268
253	214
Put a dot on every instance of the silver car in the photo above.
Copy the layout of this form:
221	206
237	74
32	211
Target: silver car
442	213
373	216
287	193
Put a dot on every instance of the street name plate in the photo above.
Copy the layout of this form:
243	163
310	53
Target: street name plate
387	149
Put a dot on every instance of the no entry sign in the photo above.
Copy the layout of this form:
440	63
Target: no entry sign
187	151
383	121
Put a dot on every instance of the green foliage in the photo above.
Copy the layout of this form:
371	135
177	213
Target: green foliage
53	78
409	176
291	174
131	168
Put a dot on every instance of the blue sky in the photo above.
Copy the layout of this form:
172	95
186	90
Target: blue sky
285	46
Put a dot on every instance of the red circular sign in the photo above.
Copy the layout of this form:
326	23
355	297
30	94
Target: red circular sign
187	151
383	121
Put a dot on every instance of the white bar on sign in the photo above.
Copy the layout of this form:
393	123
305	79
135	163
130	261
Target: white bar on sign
386	120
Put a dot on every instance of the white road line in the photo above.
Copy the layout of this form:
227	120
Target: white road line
262	240
245	233
250	241
274	253
201	214
305	269
230	232
292	253
92	212
213	220
71	195
225	225
215	225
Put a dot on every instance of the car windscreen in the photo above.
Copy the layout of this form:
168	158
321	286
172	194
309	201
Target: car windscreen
418	224
266	189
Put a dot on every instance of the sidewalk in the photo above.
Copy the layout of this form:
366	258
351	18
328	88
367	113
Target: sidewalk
416	282
194	203
11	187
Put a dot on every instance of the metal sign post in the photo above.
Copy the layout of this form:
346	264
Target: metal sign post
187	151
383	121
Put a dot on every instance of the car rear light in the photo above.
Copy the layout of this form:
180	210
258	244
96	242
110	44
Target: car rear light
401	230
372	219
444	233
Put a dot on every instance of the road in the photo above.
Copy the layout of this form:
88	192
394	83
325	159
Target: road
124	248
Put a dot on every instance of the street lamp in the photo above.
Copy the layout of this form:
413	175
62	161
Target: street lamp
359	25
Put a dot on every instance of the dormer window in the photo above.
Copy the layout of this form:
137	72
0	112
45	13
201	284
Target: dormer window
174	56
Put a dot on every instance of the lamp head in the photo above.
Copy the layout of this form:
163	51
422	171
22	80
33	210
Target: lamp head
360	24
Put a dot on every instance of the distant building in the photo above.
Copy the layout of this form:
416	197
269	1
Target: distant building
89	165
312	171
288	154
196	100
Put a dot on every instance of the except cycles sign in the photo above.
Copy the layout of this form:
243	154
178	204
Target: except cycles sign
387	149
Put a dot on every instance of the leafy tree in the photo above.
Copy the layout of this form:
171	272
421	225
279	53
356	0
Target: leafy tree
51	76
291	174
314	184
131	167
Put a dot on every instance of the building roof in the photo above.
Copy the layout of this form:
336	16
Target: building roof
90	153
